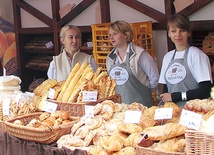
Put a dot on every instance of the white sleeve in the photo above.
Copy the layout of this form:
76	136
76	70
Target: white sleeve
51	71
148	65
200	65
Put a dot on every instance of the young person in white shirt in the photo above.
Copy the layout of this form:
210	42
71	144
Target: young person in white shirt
186	71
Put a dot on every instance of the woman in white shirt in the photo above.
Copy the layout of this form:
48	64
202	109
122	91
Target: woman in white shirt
61	65
186	72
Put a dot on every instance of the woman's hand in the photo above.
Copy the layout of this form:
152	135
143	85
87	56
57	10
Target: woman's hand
166	97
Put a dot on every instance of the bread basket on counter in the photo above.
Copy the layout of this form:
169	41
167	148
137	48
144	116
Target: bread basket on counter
148	151
45	136
78	109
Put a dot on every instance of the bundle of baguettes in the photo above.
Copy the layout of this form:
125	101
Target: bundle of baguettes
83	78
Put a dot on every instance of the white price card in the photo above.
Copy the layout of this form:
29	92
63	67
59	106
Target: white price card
51	93
163	113
190	119
49	44
89	96
49	106
6	107
89	111
132	116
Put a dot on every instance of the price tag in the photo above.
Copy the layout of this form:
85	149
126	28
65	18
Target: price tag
89	111
163	113
49	44
89	96
6	107
132	116
49	106
190	119
51	93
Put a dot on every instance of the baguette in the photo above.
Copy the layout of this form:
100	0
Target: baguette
99	77
95	75
68	80
73	82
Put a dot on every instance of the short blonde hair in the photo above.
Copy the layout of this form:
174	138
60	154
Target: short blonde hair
121	26
68	27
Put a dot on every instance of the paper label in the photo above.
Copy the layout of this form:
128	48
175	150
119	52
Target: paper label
89	96
132	116
51	93
190	119
49	106
49	44
89	111
163	113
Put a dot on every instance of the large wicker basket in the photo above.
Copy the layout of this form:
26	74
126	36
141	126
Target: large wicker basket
2	126
45	136
199	142
78	109
148	151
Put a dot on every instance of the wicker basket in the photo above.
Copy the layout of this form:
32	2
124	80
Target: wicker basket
148	151
45	136
78	109
2	126
199	142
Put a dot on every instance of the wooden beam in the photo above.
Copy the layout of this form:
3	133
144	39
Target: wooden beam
17	25
36	13
105	11
75	12
55	15
204	24
169	11
194	7
144	9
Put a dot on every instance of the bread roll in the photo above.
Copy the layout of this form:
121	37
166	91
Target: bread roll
45	86
164	132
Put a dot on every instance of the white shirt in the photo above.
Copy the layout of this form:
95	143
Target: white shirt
52	71
198	63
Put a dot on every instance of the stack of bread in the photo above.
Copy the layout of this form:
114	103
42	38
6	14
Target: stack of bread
81	78
107	133
47	120
10	83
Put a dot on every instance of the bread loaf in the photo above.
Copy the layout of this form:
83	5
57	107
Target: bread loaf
164	132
